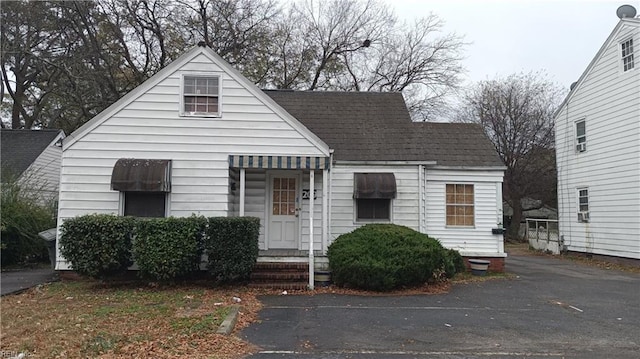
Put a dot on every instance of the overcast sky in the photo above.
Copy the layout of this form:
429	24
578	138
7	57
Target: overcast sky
560	37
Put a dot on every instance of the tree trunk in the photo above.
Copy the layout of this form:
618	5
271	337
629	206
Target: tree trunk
514	226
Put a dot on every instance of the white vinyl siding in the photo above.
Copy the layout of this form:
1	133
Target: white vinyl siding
473	240
150	127
43	175
404	208
610	102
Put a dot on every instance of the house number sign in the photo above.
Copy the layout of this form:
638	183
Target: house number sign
305	193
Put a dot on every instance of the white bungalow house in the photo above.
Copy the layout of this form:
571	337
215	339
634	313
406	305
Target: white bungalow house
199	138
32	158
598	151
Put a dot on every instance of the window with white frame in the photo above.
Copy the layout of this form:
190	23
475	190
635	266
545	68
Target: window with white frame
460	205
583	205
581	136
373	193
627	55
201	95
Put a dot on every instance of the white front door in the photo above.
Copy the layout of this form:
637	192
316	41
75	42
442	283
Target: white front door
283	211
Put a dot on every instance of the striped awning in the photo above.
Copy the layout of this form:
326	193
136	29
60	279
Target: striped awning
278	162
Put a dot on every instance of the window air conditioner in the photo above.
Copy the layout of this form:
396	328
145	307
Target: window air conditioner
583	216
581	147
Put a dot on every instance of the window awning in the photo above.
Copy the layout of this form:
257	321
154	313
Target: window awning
141	175
374	186
278	162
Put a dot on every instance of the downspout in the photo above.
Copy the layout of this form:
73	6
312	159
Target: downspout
311	204
242	190
330	179
325	210
420	199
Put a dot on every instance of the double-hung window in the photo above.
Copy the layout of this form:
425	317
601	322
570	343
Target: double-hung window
460	205
581	136
627	55
583	205
201	95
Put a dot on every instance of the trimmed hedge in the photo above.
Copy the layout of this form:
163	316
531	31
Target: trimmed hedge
232	247
168	248
164	249
383	257
97	245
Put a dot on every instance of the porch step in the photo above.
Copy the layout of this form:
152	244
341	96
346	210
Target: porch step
281	285
280	275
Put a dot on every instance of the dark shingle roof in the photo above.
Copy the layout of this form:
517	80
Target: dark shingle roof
376	126
21	147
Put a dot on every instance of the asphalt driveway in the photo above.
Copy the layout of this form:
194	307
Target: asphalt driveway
554	308
19	280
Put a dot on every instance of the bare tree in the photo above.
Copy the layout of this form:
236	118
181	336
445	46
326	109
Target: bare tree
65	61
416	59
516	113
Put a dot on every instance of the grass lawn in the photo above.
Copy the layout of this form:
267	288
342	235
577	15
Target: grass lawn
86	319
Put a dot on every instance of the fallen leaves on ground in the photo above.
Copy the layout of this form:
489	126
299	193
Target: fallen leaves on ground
86	319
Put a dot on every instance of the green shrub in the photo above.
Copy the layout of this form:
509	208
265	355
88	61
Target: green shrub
454	263
25	212
168	248
383	257
97	245
232	247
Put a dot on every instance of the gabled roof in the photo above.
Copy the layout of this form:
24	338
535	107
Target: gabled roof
20	148
176	65
625	21
376	126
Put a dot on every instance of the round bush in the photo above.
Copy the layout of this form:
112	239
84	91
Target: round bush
383	257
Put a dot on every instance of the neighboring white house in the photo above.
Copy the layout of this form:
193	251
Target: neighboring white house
32	157
598	151
199	138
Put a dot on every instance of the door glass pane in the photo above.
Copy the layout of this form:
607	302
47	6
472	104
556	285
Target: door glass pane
284	196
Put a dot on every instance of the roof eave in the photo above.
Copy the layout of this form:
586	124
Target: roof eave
616	29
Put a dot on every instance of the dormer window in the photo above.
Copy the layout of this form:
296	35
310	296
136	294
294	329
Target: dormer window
201	95
627	55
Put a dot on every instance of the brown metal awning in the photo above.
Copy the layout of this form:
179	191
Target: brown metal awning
141	175
374	186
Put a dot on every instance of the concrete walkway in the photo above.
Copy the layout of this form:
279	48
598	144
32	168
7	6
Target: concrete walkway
19	280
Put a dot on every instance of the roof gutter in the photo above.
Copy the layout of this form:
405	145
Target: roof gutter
470	168
385	163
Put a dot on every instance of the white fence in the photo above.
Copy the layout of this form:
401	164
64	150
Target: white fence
543	234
